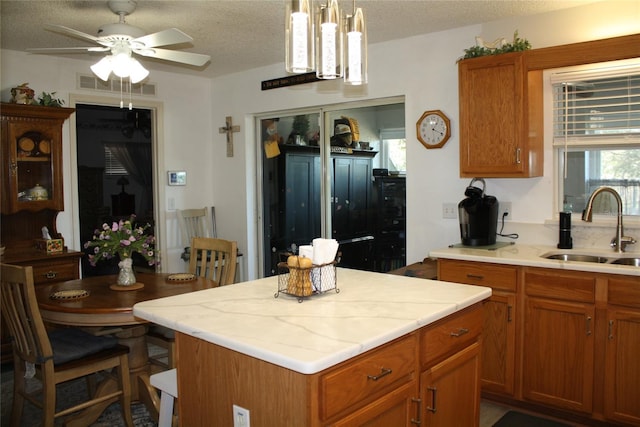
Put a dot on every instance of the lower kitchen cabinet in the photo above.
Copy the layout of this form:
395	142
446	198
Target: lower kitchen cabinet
622	363
573	347
395	384
558	352
500	311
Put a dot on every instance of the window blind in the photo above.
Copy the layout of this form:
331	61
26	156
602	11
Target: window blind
112	165
599	107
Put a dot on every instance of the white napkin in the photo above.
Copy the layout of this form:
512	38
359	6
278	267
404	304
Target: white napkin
306	251
324	252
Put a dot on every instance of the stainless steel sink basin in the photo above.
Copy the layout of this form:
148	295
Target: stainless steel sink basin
577	257
627	261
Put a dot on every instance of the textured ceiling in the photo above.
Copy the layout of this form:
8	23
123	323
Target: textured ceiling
242	34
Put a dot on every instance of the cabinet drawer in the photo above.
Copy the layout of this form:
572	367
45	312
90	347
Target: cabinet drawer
374	374
552	284
472	273
624	291
450	335
55	272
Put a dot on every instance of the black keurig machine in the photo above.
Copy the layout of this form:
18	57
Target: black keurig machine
478	214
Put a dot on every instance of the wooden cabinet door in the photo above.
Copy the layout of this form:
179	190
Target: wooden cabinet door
622	366
450	390
558	353
500	120
499	343
302	199
398	408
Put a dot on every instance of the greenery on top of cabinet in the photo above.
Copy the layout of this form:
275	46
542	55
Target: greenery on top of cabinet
517	45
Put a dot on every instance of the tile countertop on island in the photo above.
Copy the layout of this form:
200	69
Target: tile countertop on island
531	256
371	309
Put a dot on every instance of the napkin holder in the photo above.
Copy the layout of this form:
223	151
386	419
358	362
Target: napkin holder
50	246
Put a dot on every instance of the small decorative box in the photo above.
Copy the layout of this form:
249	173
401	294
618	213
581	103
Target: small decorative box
51	246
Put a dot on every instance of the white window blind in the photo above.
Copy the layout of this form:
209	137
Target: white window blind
599	107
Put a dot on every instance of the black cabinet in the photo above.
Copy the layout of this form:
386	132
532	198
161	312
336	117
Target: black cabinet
390	223
294	206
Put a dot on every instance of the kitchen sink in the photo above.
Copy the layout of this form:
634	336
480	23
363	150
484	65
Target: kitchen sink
599	259
577	257
627	261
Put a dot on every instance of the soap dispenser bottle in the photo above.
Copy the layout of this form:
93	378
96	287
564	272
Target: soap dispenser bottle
565	240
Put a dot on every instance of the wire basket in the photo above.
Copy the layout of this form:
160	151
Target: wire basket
303	282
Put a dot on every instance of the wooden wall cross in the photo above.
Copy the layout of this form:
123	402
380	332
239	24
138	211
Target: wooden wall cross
229	129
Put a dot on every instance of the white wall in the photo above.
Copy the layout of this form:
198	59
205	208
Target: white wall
186	136
422	69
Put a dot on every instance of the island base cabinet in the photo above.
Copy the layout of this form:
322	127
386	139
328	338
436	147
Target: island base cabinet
398	408
450	390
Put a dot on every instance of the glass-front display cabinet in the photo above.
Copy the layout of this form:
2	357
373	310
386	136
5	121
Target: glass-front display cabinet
32	152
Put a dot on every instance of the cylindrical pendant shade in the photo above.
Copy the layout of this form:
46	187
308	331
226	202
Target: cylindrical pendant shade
329	42
299	56
355	72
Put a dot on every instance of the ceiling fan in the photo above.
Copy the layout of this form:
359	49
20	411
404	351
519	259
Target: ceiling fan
122	40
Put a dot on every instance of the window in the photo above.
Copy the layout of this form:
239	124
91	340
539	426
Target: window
596	134
393	150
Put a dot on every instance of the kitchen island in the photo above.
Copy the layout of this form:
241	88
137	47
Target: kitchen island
333	359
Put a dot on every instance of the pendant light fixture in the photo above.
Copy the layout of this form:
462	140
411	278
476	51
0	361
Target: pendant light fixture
355	72
329	42
299	35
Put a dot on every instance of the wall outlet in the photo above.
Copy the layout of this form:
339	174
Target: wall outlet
505	207
241	417
449	210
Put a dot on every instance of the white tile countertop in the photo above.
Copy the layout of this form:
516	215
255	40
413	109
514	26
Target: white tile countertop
371	309
530	255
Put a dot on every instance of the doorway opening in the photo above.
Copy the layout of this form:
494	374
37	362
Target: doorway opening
335	172
115	172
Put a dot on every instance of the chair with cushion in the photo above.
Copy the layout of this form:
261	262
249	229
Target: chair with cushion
215	259
58	356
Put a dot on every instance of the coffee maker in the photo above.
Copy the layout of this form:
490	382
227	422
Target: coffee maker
478	215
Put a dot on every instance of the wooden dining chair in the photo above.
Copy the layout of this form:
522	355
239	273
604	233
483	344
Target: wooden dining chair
57	356
215	259
194	223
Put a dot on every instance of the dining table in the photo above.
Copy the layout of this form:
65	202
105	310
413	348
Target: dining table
97	304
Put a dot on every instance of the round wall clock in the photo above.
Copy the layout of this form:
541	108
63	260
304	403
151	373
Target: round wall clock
433	129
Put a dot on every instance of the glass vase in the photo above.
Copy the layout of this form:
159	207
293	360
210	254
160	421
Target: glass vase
126	276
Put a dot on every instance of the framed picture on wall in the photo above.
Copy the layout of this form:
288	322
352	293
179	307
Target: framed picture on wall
177	177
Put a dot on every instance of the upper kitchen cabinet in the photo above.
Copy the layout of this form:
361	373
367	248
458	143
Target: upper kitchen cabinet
32	158
501	122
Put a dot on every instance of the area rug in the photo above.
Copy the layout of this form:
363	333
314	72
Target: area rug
518	419
67	393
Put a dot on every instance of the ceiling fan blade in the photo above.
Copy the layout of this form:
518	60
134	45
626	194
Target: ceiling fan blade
69	49
75	33
164	38
175	56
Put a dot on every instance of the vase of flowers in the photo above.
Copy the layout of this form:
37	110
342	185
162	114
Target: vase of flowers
122	239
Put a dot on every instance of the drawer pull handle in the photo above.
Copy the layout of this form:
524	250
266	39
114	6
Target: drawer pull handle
432	408
509	308
588	325
475	276
416	420
51	274
460	332
383	373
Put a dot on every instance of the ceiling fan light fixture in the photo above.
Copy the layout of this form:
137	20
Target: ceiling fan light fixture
355	72
137	72
329	42
299	56
103	68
